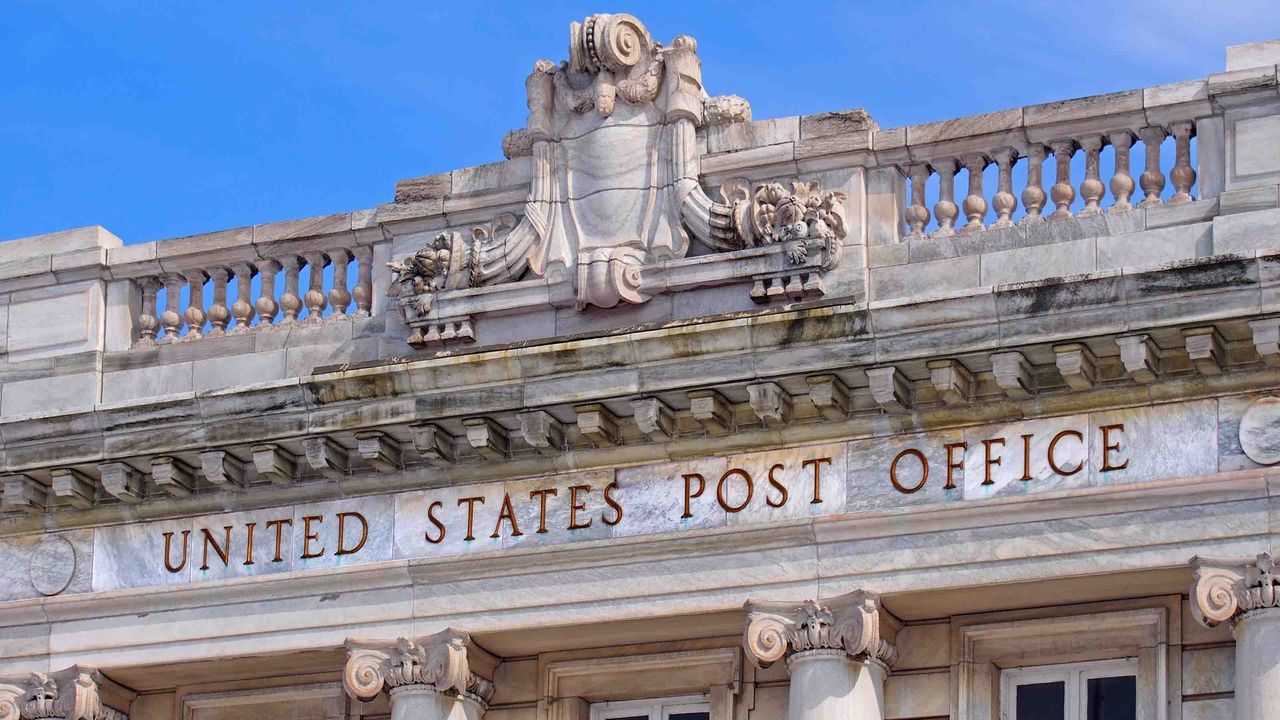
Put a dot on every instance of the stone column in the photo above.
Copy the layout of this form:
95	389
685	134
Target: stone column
76	693
834	651
439	677
1247	594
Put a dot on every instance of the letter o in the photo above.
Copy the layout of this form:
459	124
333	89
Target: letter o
893	471
720	494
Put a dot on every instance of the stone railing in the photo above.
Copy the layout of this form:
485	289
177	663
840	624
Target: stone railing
1029	156
253	285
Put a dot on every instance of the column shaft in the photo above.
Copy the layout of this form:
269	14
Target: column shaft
1257	636
424	702
829	685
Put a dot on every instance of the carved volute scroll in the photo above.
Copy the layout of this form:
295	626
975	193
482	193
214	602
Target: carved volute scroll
611	135
1225	590
850	623
446	662
71	694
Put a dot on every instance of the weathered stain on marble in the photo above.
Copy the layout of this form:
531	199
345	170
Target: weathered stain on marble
1015	459
921	471
1158	441
126	556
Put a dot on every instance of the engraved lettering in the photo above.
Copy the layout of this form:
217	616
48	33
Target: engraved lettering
817	464
1053	444
168	564
364	532
222	551
689	495
893	471
721	495
575	507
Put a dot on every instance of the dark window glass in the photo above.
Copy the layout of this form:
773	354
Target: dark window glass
691	716
1113	698
1042	701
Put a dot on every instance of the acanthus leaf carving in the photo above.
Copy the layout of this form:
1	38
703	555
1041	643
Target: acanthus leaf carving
851	623
71	694
438	661
1225	590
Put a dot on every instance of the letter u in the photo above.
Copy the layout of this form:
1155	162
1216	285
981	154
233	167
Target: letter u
168	541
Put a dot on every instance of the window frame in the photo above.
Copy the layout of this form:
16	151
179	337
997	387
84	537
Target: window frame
652	708
1075	677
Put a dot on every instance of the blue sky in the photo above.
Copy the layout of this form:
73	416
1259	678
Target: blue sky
161	119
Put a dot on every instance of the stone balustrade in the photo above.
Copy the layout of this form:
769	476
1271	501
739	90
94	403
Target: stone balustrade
235	293
1019	156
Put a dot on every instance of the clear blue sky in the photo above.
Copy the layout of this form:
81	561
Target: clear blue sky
160	119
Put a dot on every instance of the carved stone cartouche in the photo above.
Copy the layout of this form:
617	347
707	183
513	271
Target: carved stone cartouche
611	135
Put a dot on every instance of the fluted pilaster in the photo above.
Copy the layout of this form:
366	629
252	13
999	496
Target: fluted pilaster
834	649
438	677
1247	594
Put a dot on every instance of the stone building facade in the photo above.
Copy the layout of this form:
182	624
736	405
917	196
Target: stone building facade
674	414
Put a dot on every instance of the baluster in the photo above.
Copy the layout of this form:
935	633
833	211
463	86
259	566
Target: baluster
1062	192
219	315
917	212
945	209
1182	174
1003	201
172	318
1091	189
339	295
242	310
148	323
364	281
1033	196
975	203
290	303
195	303
266	304
1152	180
315	298
1121	181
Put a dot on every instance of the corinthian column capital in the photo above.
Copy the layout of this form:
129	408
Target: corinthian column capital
848	623
70	694
1226	589
447	662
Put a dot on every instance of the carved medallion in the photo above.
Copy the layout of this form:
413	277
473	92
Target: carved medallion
1260	431
53	563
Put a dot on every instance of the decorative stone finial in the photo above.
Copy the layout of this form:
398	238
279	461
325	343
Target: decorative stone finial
441	662
71	694
1226	590
850	623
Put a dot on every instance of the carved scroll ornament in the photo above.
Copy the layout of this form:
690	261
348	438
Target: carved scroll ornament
71	694
1226	590
438	661
850	623
611	134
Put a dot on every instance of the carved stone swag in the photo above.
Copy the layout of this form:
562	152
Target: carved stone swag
616	197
